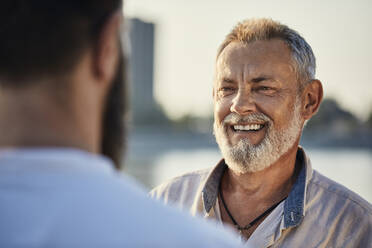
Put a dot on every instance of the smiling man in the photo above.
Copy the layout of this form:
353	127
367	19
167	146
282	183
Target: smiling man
264	91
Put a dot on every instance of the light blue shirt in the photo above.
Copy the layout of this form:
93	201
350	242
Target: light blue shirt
71	198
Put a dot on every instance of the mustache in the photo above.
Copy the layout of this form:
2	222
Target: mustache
236	119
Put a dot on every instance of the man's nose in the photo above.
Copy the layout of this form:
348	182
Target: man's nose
243	103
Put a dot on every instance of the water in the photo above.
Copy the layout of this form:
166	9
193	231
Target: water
154	163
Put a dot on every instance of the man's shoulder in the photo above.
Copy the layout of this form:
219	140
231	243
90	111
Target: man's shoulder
80	206
334	191
154	219
184	179
336	214
181	187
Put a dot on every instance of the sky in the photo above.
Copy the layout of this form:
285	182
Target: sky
188	33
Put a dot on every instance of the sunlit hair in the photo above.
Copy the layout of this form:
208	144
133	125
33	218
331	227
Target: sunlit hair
266	29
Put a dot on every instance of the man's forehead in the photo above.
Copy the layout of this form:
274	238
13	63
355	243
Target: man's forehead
252	56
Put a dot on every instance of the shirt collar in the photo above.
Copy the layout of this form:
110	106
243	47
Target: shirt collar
294	205
210	190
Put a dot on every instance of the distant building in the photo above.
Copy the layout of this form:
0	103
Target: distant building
144	109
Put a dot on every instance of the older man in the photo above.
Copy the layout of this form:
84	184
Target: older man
264	91
61	109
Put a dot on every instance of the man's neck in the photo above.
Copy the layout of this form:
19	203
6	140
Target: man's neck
32	118
249	195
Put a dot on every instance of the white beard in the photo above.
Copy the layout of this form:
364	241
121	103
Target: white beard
245	157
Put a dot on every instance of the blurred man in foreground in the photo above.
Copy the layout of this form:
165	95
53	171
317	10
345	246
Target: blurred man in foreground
61	105
264	91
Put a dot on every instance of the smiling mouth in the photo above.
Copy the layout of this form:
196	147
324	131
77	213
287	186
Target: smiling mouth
247	127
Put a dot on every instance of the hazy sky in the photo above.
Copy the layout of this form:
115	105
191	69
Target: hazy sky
188	33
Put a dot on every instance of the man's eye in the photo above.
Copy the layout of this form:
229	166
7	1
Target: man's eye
266	89
224	91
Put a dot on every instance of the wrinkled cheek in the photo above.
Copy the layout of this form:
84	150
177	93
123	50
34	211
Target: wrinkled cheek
218	127
221	110
221	133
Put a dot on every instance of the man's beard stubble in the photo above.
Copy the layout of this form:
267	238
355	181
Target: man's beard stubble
245	157
113	128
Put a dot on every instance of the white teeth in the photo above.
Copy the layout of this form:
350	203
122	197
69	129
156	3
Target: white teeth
251	127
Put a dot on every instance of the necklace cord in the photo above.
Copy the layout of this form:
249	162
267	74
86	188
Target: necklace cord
252	223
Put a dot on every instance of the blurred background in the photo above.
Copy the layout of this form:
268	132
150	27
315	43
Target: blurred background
172	46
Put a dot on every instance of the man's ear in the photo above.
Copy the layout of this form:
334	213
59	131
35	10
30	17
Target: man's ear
312	96
106	50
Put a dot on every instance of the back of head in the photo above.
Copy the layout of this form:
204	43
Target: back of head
42	38
43	41
252	30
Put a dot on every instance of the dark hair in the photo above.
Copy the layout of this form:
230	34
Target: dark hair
41	38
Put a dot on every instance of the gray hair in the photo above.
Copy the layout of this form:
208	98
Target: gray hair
265	29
